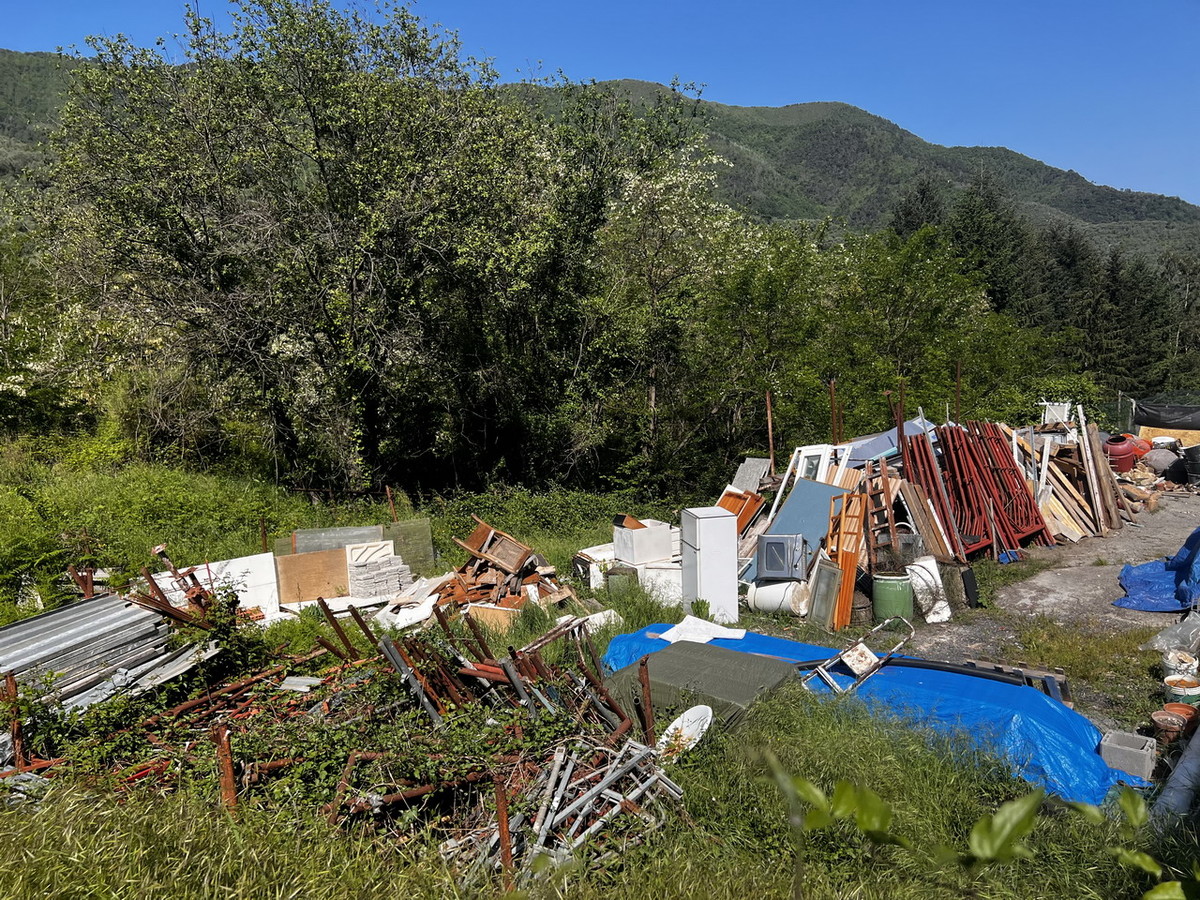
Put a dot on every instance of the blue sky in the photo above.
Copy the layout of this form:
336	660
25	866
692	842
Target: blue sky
1111	90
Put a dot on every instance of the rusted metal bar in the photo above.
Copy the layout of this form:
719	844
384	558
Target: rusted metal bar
226	689
479	638
84	582
391	502
647	701
333	648
351	650
416	683
12	694
262	533
460	644
506	857
34	765
598	686
540	666
220	737
484	674
363	626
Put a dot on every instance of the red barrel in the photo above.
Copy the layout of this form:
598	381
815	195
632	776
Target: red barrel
1119	450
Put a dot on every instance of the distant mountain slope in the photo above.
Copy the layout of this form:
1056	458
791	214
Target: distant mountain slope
31	88
804	161
811	160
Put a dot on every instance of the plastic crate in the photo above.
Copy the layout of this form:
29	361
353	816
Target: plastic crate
1129	752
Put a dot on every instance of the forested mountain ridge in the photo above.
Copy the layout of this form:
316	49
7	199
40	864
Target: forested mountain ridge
802	161
812	160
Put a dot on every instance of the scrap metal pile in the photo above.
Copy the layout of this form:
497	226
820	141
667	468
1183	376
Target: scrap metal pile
512	755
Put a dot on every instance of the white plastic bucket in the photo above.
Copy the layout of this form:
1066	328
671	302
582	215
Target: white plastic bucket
1184	688
1178	662
774	596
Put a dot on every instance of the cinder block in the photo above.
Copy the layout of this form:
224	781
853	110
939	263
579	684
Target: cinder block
1129	752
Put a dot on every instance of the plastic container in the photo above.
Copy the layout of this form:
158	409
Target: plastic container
774	597
1191	715
1182	688
1168	726
1178	662
1191	459
1119	450
891	595
1140	446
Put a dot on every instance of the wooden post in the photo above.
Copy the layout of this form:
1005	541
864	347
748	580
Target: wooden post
506	859
647	700
391	502
262	533
771	433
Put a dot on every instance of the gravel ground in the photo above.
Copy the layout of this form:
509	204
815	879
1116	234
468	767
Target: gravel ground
1077	590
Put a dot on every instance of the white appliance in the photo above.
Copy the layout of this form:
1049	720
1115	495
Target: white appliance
709	550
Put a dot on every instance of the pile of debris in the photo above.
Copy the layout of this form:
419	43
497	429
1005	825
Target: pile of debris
541	730
500	578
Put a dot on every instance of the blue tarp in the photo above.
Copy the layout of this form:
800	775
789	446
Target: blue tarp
1164	585
1046	743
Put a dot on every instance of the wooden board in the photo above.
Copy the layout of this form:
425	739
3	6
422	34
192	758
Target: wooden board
303	577
916	501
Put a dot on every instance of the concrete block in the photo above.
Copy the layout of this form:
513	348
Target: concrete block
1129	752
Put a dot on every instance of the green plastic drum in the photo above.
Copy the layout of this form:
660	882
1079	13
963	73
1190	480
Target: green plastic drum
891	595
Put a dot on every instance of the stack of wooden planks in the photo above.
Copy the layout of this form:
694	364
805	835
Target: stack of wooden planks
1074	485
501	571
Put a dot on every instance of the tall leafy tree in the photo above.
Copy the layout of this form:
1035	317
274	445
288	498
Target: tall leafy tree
994	242
343	225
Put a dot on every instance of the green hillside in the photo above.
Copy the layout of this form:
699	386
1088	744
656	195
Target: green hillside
811	160
804	161
31	88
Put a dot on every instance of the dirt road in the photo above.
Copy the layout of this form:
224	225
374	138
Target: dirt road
1077	589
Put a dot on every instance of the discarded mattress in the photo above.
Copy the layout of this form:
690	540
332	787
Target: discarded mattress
1046	743
1171	584
687	673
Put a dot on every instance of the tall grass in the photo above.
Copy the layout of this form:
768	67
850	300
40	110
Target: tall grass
732	840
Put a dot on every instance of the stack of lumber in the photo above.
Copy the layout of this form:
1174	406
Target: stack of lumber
1075	487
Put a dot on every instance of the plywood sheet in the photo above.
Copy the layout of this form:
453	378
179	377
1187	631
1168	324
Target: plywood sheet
303	577
1185	437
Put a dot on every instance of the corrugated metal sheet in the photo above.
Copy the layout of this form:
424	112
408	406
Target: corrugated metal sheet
91	650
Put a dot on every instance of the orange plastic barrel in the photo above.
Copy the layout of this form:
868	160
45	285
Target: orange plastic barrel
1140	447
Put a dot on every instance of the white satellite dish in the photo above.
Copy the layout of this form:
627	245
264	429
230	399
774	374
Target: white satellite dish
685	732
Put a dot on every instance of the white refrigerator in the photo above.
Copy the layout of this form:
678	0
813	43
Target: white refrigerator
709	551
